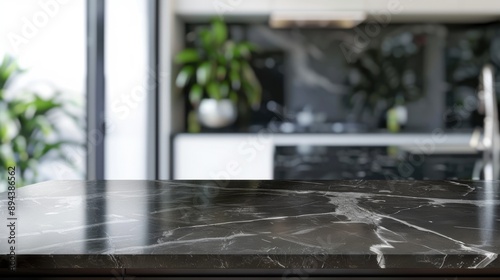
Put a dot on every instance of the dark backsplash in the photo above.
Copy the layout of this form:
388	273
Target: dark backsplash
434	67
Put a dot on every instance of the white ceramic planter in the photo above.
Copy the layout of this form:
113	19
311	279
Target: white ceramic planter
214	113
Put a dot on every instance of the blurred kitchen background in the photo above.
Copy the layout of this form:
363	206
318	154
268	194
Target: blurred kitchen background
261	89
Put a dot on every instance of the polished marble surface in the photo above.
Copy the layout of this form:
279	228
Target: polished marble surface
257	225
371	163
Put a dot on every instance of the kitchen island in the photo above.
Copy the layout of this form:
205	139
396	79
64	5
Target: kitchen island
250	228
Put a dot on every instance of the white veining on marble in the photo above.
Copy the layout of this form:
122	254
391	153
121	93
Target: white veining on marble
66	230
347	205
161	243
471	189
488	256
31	250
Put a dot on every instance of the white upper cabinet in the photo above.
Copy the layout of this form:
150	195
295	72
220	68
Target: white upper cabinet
318	5
247	9
400	10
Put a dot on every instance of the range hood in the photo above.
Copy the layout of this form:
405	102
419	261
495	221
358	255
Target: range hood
316	19
338	13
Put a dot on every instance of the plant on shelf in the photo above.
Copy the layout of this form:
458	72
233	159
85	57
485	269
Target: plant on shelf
218	78
28	134
385	76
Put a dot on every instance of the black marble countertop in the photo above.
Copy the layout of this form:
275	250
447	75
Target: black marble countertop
294	226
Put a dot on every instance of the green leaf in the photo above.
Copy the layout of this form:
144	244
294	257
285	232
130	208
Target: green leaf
249	75
206	38
44	105
193	124
42	149
252	94
243	50
233	96
219	31
234	76
7	155
7	126
221	72
20	143
8	68
251	86
184	75
34	167
18	107
229	50
29	112
203	73
187	56
221	59
253	89
224	89
44	125
195	94
4	133
250	46
235	66
213	90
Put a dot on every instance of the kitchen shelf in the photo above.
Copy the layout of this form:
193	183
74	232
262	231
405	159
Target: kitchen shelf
399	10
450	140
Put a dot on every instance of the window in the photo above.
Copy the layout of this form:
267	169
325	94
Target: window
47	38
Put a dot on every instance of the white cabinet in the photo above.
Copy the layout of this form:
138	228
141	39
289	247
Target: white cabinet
251	156
194	10
222	156
401	10
317	5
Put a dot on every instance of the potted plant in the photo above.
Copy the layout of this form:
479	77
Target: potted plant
28	133
217	76
383	78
